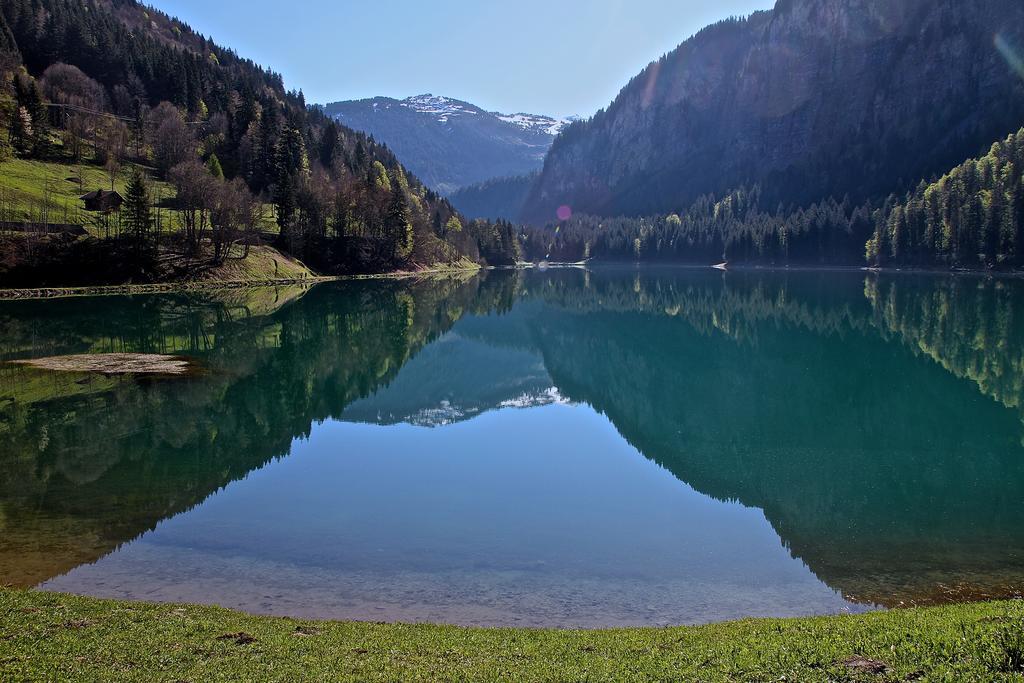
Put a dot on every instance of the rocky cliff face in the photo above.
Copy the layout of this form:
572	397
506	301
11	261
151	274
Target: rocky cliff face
812	98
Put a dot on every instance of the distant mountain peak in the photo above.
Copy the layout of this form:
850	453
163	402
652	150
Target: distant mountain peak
450	143
442	107
447	107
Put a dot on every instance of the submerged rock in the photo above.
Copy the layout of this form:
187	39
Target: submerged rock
114	364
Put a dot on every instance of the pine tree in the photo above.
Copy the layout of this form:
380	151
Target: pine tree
291	165
7	112
40	120
360	155
291	154
285	204
8	45
398	226
21	131
137	212
329	145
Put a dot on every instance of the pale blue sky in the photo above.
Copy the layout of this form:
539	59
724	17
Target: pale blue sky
555	57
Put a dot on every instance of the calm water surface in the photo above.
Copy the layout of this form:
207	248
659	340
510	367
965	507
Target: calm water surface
562	448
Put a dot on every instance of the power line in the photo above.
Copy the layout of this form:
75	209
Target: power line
94	112
85	110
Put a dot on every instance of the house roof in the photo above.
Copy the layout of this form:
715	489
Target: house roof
100	194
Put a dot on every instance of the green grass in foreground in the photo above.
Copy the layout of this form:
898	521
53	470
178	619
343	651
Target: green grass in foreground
47	636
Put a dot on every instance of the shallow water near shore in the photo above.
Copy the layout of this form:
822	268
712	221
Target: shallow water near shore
595	448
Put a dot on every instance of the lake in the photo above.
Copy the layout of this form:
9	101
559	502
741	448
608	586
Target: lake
611	447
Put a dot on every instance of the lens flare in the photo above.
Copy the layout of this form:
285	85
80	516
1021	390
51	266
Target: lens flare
1010	53
653	72
564	213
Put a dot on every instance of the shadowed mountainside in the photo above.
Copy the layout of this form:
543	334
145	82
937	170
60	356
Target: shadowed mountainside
814	98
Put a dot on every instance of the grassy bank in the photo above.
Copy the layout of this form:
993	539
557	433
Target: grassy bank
265	267
47	636
156	288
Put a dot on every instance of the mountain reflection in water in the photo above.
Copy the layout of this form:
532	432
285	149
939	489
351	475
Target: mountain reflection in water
469	449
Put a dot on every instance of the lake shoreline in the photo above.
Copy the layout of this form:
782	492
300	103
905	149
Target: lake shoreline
170	287
748	268
38	293
54	635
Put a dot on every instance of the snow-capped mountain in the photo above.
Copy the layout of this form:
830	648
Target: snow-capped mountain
449	143
544	124
444	108
441	108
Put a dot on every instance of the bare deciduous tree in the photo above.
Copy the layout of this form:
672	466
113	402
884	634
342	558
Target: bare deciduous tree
235	216
172	141
67	85
196	189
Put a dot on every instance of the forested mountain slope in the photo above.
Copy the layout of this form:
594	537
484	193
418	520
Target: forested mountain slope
498	198
972	217
113	83
811	100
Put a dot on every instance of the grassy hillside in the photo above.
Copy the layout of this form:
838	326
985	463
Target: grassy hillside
47	636
136	85
29	189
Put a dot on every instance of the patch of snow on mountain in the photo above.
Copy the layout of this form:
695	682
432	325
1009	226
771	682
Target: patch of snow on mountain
436	105
536	123
550	396
440	416
443	109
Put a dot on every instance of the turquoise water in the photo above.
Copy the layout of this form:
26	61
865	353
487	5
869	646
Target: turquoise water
560	448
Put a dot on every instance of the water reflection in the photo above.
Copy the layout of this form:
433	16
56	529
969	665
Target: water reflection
463	450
